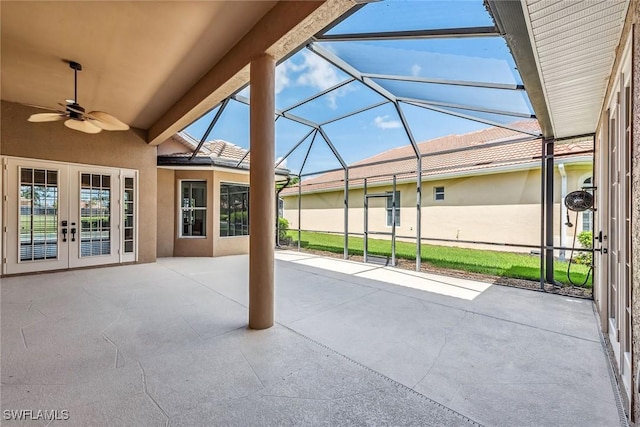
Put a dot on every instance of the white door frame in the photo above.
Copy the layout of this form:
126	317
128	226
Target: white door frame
69	209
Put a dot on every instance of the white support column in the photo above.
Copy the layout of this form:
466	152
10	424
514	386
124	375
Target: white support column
262	188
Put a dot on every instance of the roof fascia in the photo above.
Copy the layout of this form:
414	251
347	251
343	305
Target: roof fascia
511	20
451	175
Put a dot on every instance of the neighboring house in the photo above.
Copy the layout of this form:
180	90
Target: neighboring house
203	204
490	193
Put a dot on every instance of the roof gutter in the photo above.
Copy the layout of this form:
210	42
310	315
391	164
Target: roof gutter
563	211
511	21
450	175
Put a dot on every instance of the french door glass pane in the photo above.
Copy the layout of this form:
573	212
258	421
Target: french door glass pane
95	215
128	214
38	214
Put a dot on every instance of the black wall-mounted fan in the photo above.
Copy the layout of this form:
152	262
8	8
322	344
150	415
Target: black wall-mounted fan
579	201
76	118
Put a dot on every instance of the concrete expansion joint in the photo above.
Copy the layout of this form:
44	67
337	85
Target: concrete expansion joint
24	339
204	285
444	343
107	339
252	370
191	327
386	378
476	313
144	388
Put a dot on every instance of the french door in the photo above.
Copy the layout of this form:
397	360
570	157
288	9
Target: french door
618	227
61	215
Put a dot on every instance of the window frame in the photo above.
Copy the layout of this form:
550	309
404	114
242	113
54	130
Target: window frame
182	209
220	211
388	208
436	193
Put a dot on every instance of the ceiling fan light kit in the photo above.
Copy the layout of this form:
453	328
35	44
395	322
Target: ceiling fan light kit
75	115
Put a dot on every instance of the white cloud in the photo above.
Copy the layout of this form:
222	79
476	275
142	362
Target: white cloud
383	122
415	70
283	164
317	72
282	77
313	72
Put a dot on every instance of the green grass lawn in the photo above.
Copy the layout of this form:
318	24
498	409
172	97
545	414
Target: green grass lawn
506	264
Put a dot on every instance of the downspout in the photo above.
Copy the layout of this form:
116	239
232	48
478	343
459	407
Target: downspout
278	191
563	211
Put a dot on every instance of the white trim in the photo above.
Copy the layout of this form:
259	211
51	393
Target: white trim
3	214
623	65
214	168
534	48
200	208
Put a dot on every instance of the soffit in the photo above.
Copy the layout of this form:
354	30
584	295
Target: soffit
138	58
574	44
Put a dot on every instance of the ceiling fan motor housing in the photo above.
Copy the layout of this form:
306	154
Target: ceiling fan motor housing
76	115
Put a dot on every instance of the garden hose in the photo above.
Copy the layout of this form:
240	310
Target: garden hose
573	246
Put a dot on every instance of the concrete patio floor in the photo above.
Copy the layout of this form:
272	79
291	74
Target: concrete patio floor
167	344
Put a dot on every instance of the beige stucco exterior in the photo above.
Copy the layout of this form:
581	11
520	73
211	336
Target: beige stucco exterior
53	141
169	241
498	207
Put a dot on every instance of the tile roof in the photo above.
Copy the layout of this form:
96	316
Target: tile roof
478	152
214	149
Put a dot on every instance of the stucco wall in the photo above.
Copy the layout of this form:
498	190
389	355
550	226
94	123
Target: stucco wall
166	212
169	244
54	141
502	208
170	147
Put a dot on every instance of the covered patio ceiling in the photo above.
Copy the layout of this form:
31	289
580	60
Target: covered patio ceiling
155	65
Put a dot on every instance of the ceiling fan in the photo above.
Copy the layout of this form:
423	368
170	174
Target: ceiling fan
76	118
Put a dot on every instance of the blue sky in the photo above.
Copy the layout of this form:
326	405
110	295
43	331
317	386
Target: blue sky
371	132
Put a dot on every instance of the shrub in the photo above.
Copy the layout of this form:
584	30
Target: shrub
283	228
239	217
586	241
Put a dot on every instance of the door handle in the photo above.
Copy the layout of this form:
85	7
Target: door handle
64	230
73	234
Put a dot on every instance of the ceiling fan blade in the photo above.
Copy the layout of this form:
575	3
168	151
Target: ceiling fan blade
45	108
46	117
82	126
106	121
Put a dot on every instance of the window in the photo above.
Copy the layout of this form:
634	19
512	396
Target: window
588	214
438	193
129	220
95	214
194	209
390	208
234	210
